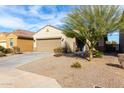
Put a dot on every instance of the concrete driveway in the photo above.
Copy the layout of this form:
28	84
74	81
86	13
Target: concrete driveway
20	59
12	77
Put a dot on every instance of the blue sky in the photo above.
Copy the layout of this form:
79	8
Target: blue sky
31	17
35	17
113	37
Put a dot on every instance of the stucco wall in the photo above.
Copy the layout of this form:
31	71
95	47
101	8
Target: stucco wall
48	32
69	43
8	40
3	38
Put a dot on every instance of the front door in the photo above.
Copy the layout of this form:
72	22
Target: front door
80	44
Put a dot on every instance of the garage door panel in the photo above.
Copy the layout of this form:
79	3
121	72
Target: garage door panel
48	45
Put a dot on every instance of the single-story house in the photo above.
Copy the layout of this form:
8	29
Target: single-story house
49	37
18	38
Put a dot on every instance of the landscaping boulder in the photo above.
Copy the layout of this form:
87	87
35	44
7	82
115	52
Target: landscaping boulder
121	59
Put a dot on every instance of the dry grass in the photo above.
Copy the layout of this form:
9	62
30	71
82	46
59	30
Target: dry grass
101	72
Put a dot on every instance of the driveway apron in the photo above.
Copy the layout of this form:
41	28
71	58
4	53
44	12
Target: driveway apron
20	59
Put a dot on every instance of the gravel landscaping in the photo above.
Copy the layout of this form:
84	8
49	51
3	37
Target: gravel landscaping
102	72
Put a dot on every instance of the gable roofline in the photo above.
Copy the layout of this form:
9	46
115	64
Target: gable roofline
22	33
46	26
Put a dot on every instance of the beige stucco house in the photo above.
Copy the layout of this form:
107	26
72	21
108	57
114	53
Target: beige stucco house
3	39
18	38
49	37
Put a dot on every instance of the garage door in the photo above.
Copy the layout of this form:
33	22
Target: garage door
48	44
3	43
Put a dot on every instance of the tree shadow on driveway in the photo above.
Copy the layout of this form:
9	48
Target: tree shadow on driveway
114	65
73	55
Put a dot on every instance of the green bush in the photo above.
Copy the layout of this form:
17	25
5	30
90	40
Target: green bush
76	65
58	51
7	50
2	54
2	48
97	54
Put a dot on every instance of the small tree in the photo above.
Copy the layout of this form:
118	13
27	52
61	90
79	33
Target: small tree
91	23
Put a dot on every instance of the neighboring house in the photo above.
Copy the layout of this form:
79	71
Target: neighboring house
121	37
121	41
19	38
3	41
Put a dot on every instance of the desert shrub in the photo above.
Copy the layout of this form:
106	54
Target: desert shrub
7	50
2	48
97	54
16	50
76	65
2	54
58	51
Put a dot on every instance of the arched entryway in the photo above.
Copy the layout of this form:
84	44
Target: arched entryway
80	45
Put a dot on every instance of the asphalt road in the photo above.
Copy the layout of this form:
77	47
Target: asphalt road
20	59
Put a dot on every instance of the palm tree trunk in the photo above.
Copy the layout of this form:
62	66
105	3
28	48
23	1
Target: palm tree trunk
90	54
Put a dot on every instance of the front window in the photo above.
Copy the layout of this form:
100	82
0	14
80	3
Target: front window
11	42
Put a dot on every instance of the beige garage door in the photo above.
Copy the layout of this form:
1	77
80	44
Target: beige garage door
48	44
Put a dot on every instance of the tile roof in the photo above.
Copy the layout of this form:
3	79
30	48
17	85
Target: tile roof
23	33
6	33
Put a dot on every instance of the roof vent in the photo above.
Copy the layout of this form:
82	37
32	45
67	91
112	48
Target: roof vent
47	30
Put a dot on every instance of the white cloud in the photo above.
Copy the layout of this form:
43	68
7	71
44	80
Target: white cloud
11	22
14	23
8	20
37	12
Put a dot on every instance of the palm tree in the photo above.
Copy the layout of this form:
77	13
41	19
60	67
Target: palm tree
91	23
122	22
